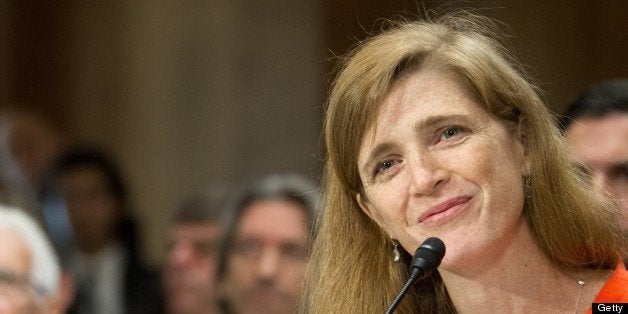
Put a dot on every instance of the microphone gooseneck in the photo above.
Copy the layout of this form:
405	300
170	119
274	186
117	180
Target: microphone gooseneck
425	260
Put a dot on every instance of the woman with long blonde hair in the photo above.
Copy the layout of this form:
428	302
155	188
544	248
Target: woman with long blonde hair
432	129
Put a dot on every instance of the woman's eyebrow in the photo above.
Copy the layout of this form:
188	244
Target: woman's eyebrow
374	155
431	121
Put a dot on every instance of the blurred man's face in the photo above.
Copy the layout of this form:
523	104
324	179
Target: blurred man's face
602	144
92	208
190	272
16	293
268	258
33	144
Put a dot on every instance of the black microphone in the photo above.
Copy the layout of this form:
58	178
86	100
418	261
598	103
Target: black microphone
426	258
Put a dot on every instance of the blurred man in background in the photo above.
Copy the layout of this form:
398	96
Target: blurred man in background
30	143
34	142
596	125
29	269
266	245
105	259
189	275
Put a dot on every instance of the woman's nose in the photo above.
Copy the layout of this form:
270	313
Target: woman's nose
426	174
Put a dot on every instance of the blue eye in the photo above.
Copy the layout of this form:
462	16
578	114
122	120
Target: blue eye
451	132
449	136
384	166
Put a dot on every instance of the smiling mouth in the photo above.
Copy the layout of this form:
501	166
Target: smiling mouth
444	212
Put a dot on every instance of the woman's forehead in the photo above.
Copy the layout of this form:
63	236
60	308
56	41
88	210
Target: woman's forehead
427	93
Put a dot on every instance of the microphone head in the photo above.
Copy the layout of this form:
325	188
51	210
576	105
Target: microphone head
428	256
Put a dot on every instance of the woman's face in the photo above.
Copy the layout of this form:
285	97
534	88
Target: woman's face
437	164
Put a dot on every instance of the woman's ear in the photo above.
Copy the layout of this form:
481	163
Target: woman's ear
365	206
522	134
522	137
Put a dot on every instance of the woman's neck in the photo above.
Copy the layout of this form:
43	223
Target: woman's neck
520	278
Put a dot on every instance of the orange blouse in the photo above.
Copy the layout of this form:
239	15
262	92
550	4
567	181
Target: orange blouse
615	290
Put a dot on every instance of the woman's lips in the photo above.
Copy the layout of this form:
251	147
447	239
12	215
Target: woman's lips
445	211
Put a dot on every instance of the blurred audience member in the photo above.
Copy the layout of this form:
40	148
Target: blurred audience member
189	277
106	264
29	270
596	125
30	143
266	245
34	143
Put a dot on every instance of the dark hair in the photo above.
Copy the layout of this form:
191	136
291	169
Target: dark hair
598	100
92	157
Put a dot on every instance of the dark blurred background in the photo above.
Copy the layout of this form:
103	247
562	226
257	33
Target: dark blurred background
205	94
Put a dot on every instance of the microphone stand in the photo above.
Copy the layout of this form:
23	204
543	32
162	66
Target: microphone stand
402	293
426	258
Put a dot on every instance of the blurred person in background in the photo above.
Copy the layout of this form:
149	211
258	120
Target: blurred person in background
29	269
34	142
266	245
105	259
596	125
30	143
189	276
